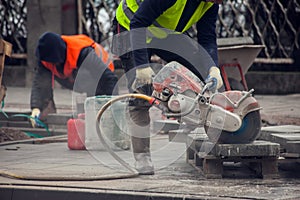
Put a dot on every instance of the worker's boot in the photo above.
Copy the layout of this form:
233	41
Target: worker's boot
140	137
143	163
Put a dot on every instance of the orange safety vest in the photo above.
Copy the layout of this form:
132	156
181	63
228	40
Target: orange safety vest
75	44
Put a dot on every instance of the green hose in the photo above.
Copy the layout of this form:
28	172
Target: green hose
42	124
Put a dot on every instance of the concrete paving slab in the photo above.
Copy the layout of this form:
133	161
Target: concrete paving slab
288	136
56	156
182	184
257	148
174	178
282	129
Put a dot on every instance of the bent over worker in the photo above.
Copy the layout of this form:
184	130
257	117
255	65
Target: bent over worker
155	28
64	58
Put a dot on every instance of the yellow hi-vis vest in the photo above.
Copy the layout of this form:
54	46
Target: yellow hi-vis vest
169	19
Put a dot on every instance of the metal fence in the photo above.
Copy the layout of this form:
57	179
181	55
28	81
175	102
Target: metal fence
13	23
273	23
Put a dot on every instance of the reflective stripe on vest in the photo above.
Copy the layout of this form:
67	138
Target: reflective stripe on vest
129	13
169	19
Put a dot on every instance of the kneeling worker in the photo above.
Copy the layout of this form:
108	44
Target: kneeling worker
59	58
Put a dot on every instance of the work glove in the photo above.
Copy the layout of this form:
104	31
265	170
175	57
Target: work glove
34	118
214	77
143	77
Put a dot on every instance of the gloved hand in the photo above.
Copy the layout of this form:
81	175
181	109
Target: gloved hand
35	113
215	78
143	77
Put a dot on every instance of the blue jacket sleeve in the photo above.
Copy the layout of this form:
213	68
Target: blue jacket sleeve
206	32
148	11
41	90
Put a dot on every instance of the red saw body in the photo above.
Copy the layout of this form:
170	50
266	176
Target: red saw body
228	117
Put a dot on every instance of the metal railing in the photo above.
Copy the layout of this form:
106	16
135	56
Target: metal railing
273	23
13	15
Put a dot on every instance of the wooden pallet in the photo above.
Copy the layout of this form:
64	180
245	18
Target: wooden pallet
259	158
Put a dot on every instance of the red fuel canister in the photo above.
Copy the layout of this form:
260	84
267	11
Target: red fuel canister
76	133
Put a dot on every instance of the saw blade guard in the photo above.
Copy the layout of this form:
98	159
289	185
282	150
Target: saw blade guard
247	108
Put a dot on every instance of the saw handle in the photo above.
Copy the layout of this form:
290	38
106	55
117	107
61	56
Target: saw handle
206	86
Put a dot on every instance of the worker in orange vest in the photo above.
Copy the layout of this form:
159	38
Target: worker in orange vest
77	62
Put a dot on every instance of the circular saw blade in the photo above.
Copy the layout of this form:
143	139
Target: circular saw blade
247	133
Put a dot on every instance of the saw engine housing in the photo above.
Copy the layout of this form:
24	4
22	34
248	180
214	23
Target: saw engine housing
225	116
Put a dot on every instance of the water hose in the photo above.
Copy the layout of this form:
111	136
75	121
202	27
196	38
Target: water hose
133	171
42	124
